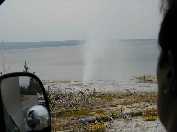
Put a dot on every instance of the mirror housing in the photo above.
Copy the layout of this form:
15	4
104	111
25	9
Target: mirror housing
21	94
1	1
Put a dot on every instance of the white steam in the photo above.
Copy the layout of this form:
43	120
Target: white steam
95	51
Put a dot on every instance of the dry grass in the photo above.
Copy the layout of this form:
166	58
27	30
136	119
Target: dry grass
104	106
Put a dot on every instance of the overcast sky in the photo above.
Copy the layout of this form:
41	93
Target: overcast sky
47	20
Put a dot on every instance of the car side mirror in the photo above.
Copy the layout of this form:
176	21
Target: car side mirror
1	1
24	103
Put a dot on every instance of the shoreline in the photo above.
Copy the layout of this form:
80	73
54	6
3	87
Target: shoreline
143	83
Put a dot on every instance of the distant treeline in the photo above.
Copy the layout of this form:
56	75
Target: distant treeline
41	44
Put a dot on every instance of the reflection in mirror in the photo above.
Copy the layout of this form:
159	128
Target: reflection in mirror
37	117
21	95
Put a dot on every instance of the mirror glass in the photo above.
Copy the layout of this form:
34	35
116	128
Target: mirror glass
24	104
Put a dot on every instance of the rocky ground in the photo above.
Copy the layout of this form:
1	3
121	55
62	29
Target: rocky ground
104	106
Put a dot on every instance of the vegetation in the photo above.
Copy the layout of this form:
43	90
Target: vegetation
26	67
150	114
96	109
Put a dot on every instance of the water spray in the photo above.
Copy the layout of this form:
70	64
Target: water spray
94	53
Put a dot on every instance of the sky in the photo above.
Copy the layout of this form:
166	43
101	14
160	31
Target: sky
54	20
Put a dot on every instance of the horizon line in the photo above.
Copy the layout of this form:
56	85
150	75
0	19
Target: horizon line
42	41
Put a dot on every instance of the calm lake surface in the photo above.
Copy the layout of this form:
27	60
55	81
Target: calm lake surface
72	60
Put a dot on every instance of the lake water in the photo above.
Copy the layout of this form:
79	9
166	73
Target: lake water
72	60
